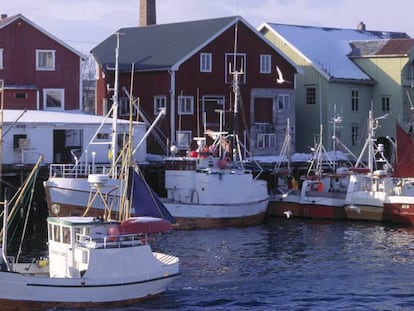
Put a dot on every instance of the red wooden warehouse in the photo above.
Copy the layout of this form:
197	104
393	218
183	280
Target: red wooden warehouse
39	71
186	68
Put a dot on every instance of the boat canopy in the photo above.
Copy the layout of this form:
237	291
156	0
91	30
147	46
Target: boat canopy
145	201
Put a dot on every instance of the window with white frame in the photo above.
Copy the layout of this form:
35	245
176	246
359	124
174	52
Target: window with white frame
283	102
124	107
206	62
160	102
265	63
185	104
53	99
183	139
45	59
235	63
266	140
1	59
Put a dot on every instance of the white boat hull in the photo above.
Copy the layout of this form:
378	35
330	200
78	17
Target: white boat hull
72	196
105	267
213	197
44	292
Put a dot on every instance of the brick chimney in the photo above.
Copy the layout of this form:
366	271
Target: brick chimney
147	13
361	26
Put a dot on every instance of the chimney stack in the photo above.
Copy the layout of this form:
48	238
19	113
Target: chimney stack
361	26
3	16
147	13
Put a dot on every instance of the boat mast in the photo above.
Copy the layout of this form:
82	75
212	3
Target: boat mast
236	91
4	237
114	147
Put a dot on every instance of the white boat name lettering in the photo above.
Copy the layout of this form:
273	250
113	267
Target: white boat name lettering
58	253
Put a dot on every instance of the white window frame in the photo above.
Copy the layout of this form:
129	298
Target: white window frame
229	59
283	102
265	63
206	62
266	140
61	99
46	66
184	139
160	102
185	105
123	107
1	59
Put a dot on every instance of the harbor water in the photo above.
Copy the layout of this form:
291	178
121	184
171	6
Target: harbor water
290	264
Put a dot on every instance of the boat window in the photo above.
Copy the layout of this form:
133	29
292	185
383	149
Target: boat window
50	231
66	235
56	233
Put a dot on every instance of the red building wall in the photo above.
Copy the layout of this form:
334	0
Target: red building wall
189	81
20	40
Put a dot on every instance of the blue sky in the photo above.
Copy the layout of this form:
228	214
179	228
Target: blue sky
84	23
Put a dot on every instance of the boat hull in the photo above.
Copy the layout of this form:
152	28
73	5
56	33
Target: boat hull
399	213
364	212
284	207
73	194
322	205
319	211
26	292
203	216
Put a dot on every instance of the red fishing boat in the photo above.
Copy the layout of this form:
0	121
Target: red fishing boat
399	205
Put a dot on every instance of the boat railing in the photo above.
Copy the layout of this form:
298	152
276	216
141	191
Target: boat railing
111	241
75	171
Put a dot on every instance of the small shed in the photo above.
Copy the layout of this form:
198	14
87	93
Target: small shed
63	137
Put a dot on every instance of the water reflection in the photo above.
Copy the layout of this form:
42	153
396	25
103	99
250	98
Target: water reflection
290	264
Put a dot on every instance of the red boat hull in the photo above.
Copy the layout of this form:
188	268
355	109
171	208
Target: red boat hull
399	213
317	211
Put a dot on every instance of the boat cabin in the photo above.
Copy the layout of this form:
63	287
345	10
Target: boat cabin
71	239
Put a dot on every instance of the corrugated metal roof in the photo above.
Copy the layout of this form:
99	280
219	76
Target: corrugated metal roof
45	116
390	47
365	48
160	47
397	47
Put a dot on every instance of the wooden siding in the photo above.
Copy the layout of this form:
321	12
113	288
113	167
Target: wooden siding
330	96
189	81
20	40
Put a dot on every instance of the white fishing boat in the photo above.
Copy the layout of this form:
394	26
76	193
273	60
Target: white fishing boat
285	196
211	187
370	183
91	262
207	192
68	186
323	194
